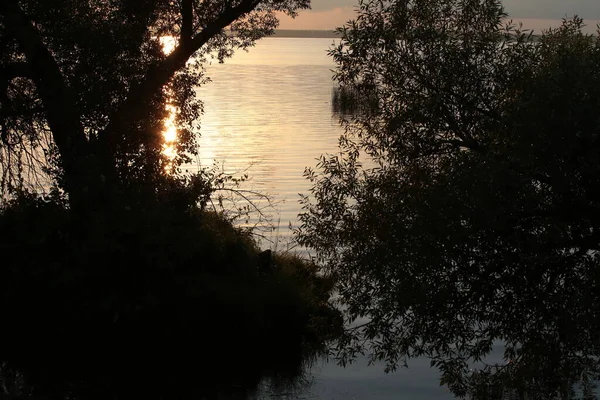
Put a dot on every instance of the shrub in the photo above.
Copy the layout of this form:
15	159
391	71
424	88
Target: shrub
154	301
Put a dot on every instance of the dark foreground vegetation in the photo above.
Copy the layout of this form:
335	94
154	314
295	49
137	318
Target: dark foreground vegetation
462	212
477	225
160	300
119	283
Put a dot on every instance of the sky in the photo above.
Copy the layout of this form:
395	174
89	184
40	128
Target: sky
535	14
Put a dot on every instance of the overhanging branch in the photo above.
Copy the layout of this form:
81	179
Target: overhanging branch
42	68
13	70
187	21
158	76
8	72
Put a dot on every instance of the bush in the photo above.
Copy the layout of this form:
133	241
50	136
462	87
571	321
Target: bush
154	301
463	212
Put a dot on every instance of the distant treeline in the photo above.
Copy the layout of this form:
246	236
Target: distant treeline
305	33
293	33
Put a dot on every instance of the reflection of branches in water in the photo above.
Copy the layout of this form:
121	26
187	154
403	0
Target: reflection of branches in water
25	162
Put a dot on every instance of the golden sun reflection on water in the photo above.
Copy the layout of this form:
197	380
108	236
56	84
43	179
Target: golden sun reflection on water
170	132
170	127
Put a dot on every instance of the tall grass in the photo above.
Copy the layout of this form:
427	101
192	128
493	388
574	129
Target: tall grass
349	101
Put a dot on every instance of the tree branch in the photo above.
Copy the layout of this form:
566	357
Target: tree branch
158	76
13	70
187	21
66	127
8	72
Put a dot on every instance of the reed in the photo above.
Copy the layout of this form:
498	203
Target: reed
349	101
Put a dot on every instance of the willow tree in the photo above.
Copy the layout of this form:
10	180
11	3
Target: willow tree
83	84
462	211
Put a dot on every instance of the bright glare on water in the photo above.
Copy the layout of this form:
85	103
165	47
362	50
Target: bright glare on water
268	112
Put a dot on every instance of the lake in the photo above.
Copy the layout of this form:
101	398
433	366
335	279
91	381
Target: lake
268	112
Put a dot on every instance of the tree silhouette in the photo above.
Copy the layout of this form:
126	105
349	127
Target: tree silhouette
85	81
474	220
118	283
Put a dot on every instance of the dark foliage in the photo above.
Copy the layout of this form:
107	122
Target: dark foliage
474	219
119	284
157	301
83	84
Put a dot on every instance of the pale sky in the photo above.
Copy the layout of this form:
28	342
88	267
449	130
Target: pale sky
535	14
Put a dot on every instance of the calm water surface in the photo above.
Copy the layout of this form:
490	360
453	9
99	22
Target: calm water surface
268	112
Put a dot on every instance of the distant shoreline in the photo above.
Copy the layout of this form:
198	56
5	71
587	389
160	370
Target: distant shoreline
306	34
